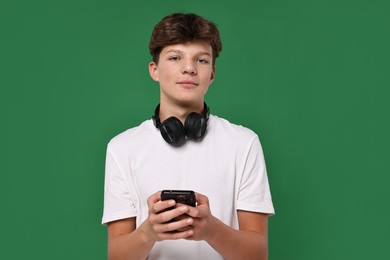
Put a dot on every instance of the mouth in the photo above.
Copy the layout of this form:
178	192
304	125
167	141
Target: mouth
187	83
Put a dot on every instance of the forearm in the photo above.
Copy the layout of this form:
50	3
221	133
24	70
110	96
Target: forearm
238	244
135	245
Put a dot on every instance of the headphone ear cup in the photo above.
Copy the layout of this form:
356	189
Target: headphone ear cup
172	130
195	126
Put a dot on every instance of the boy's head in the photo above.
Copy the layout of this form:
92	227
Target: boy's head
182	28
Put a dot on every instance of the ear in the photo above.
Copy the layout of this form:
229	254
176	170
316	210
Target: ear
153	71
212	76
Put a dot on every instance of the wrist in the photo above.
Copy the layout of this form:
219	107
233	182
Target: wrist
146	233
214	232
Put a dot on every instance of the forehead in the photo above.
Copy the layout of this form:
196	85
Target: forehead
194	47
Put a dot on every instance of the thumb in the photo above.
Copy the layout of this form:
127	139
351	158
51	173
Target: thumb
201	199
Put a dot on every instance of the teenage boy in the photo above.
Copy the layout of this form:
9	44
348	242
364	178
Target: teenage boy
184	147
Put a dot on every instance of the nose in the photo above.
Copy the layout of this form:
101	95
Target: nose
189	68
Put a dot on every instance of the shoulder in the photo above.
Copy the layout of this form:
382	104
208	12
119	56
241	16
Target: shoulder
226	128
132	135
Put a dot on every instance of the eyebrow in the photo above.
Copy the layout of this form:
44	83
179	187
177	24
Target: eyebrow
198	54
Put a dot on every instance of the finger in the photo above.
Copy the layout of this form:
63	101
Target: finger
172	214
176	235
194	212
201	199
161	206
155	197
173	226
162	217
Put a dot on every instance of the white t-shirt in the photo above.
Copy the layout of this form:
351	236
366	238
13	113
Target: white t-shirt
227	166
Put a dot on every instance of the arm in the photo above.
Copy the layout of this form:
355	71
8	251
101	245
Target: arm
249	242
125	241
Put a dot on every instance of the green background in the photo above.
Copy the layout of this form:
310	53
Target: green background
310	77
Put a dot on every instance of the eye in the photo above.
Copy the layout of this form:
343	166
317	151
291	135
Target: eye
174	58
202	61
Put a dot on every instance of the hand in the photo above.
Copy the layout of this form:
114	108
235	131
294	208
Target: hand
163	224
203	220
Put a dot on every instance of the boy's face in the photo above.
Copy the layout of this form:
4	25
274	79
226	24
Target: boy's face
184	72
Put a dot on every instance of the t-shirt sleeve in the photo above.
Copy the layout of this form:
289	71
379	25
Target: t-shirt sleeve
117	199
254	192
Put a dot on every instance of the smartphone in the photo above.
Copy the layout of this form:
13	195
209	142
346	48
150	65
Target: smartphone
180	196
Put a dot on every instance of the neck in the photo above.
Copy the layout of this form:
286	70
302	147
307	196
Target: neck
179	111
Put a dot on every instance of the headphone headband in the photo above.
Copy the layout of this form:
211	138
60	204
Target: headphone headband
174	132
156	116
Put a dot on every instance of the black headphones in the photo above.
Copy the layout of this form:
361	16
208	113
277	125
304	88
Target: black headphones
173	131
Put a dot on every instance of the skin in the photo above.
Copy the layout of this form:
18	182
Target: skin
185	72
249	242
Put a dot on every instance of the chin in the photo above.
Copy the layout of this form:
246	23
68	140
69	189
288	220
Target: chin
191	100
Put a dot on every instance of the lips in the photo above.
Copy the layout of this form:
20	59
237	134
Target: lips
188	83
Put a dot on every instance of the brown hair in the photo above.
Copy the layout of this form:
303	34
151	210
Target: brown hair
181	28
